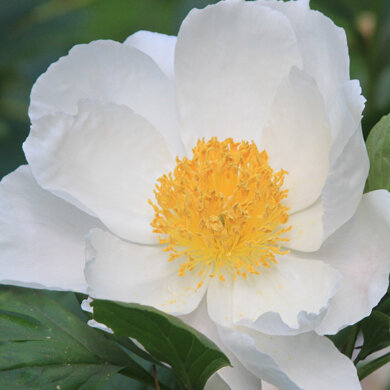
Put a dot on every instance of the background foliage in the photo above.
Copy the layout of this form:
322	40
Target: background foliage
35	33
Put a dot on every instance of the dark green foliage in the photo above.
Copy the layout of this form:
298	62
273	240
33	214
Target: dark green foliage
191	355
43	345
376	333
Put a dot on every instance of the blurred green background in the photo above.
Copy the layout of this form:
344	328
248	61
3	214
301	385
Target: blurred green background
34	33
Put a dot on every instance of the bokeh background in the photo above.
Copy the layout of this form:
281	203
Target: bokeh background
35	33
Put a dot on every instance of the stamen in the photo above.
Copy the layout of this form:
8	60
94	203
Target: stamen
222	210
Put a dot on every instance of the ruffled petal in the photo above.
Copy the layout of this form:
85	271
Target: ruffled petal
106	158
339	199
41	236
347	155
322	45
110	72
288	298
230	58
305	361
297	139
122	271
324	51
345	183
348	158
159	47
345	115
360	250
258	363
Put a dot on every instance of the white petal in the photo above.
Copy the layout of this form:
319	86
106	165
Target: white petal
345	115
267	386
288	298
254	360
229	60
237	376
98	325
297	139
348	158
86	305
305	361
322	44
110	72
159	47
122	271
216	383
345	183
41	236
307	229
360	250
339	199
107	158
220	301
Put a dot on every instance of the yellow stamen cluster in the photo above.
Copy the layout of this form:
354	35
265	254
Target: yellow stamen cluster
221	210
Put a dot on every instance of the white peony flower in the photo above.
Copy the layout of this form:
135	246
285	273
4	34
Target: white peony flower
247	127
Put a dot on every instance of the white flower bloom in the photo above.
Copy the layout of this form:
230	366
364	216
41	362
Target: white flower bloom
271	242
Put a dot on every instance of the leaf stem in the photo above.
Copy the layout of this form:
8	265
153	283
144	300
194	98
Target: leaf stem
372	366
155	377
350	345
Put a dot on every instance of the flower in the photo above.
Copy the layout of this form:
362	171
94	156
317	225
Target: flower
218	177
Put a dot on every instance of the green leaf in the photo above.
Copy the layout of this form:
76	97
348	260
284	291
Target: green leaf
46	346
378	147
341	338
373	365
165	376
345	339
376	333
120	382
131	346
384	305
192	356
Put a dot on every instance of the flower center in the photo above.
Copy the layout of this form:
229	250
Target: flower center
221	210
